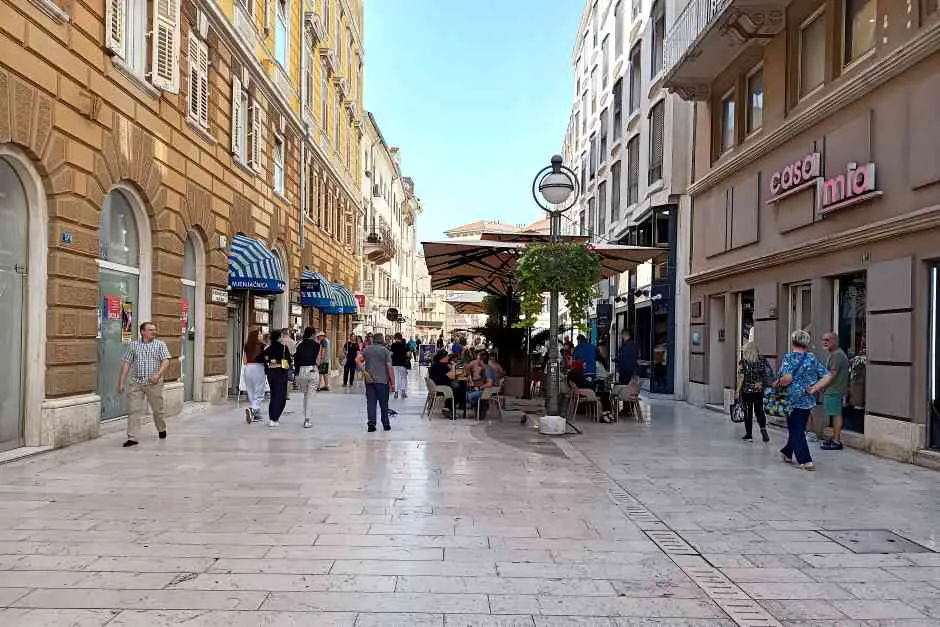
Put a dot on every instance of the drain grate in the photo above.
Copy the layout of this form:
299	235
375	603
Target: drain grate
874	541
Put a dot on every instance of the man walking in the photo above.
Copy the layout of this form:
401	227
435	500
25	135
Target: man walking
838	366
145	360
376	362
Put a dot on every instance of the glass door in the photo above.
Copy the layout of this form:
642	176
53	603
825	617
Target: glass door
801	307
13	238
235	341
188	321
850	322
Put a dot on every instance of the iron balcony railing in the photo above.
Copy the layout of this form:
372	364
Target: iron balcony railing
691	22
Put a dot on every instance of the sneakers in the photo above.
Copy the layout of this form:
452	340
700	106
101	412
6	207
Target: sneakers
787	460
811	437
162	435
273	424
130	443
386	427
748	438
396	396
831	445
808	466
764	436
249	417
307	424
371	429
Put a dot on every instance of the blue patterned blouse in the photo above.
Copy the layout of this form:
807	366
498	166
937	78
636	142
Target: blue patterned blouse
804	376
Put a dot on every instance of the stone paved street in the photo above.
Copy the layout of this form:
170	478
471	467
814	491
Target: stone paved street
672	521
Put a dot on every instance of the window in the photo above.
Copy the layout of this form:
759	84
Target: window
605	61
324	99
279	164
860	27
615	192
636	78
583	170
618	108
659	39
581	223
247	130
636	8
590	218
727	122
618	27
602	157
339	123
593	89
593	155
633	170
812	53
198	81
657	133
584	110
755	100
281	35
602	208
929	7
594	16
145	39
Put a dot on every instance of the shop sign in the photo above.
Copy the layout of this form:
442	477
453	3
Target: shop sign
262	304
795	177
361	301
261	317
309	285
217	296
296	310
855	186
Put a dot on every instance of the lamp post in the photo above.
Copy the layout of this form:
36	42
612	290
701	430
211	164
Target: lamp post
555	190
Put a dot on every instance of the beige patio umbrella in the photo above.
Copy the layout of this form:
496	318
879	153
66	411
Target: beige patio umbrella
468	303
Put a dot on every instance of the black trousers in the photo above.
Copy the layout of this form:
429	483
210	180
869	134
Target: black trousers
277	381
349	372
753	404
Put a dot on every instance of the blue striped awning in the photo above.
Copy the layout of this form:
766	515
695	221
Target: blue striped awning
344	300
322	298
251	266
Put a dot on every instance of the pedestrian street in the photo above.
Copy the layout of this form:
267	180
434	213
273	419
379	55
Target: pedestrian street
671	520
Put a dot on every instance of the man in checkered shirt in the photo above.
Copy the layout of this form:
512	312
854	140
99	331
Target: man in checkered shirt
145	361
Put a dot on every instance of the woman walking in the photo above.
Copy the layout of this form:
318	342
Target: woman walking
803	377
253	358
305	363
277	361
351	348
754	374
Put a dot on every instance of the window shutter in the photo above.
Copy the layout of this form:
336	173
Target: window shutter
115	36
254	135
238	117
204	84
198	81
166	45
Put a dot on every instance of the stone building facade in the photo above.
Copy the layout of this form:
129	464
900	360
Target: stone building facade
127	170
816	199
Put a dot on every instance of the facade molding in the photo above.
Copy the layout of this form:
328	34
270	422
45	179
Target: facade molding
895	226
867	80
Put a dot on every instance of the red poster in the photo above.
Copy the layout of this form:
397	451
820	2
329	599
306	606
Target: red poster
361	301
114	307
184	316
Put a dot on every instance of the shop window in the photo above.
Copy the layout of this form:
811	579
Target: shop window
727	122
860	28
850	323
812	44
755	100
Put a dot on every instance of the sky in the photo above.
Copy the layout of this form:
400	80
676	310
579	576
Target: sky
477	96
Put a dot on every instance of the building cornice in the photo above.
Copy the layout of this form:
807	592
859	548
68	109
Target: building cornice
221	23
895	226
866	81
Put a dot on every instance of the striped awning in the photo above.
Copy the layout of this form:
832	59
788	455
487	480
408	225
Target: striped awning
251	266
344	301
321	298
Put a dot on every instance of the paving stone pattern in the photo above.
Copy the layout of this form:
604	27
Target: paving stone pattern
458	523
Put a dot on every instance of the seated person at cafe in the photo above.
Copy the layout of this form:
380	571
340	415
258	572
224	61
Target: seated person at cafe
577	379
586	353
442	373
487	379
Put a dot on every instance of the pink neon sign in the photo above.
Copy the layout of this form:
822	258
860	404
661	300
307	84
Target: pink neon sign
857	184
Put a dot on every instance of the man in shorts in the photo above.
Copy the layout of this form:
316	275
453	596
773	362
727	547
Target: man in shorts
838	365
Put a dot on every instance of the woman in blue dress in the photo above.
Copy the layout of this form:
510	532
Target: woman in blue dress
803	376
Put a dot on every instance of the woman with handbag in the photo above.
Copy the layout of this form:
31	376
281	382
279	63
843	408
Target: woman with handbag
803	377
277	362
754	374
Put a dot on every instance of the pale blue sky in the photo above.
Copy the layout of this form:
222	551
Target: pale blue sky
476	95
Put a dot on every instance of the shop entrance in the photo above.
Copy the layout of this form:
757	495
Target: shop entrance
934	383
236	340
745	320
850	322
188	321
716	357
13	253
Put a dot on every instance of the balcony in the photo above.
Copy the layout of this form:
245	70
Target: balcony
380	246
709	34
314	24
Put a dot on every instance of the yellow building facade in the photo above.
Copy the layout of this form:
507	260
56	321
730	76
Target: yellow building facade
181	161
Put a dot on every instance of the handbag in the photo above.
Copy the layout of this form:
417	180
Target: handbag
777	400
737	412
323	368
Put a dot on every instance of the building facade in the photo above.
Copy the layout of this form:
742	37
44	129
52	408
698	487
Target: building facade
628	141
815	198
158	163
388	239
431	308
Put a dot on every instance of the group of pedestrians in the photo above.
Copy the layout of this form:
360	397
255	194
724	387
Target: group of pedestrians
794	390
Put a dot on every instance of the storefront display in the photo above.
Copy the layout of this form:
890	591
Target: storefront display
850	324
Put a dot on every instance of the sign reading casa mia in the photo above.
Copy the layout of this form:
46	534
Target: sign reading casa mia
855	185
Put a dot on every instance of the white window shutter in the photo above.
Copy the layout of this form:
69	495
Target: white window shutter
194	83
256	137
115	35
204	84
238	117
165	41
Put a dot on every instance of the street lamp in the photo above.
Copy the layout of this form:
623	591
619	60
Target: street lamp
555	190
